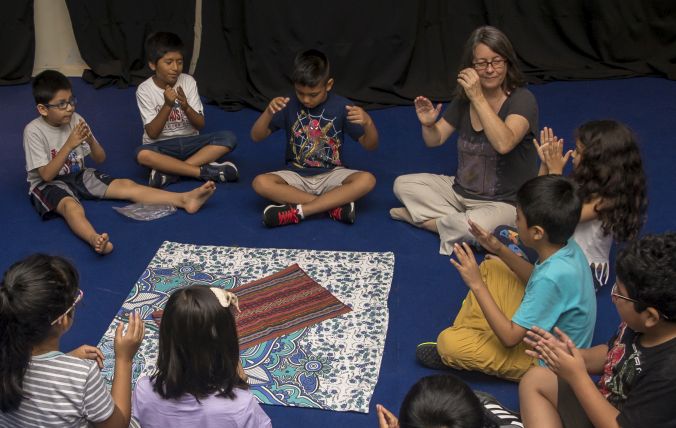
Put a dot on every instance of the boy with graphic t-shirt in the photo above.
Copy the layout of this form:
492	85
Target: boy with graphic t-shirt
315	121
172	116
637	387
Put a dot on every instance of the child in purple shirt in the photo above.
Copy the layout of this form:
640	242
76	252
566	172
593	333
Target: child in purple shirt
199	380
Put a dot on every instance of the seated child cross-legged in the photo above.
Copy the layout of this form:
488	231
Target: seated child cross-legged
199	381
637	387
487	332
172	116
41	386
315	121
56	144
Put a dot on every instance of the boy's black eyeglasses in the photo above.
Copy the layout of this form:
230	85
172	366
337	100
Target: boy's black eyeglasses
497	64
62	105
615	295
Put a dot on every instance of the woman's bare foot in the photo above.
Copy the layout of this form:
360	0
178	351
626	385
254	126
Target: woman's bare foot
194	199
402	214
101	243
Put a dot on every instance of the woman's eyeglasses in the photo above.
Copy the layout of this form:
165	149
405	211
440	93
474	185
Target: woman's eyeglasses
79	296
62	105
496	63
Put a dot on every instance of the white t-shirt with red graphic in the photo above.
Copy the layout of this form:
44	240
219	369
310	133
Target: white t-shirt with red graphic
150	99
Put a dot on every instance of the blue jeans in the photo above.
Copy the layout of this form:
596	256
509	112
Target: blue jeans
184	147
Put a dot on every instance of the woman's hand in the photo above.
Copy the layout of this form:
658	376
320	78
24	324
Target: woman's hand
427	113
471	82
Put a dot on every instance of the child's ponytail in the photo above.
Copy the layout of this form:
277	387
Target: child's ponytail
33	293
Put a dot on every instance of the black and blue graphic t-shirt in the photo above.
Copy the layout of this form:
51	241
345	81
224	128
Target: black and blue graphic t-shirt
640	382
315	136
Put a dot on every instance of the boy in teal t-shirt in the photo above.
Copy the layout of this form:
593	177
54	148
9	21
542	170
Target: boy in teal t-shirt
509	295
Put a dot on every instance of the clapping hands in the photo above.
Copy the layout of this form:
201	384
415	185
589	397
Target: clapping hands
559	353
550	150
80	133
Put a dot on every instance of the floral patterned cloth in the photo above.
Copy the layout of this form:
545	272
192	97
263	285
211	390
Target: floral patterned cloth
332	365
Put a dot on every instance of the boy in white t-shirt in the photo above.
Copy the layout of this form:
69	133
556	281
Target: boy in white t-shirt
172	116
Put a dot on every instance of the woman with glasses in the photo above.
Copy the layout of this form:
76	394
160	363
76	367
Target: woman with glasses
496	119
39	385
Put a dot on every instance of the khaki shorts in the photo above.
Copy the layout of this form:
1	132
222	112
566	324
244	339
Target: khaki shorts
316	184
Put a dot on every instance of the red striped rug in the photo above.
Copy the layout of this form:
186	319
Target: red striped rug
282	303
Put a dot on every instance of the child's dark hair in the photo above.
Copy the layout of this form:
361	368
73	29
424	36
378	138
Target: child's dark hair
499	43
34	292
310	68
611	169
160	43
441	401
551	202
47	84
647	268
199	348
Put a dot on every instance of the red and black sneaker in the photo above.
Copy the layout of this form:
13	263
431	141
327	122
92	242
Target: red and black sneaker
345	213
280	215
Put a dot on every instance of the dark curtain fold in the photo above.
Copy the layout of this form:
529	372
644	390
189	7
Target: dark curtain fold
17	37
110	35
387	52
383	52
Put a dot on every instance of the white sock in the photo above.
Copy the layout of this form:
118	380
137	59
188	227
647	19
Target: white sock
299	208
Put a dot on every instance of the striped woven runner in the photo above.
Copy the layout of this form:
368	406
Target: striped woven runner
282	303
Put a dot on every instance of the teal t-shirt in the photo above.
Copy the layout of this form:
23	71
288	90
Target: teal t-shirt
560	292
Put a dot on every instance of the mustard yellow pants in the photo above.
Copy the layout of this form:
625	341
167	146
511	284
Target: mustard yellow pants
471	344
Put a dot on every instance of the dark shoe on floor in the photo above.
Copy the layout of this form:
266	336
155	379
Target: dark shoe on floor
280	215
345	213
219	172
498	414
426	353
159	179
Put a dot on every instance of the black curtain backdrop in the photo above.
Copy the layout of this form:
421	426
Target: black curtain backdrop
17	37
382	52
110	35
388	52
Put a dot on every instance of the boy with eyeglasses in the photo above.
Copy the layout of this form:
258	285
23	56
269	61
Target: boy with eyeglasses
56	144
638	381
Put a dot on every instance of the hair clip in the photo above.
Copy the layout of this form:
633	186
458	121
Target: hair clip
226	298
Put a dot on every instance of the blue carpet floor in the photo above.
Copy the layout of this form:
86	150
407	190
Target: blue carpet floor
426	292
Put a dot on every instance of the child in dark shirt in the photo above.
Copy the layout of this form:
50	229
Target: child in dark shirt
315	121
638	382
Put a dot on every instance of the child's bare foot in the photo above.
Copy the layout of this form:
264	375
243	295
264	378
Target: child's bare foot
101	243
402	214
194	199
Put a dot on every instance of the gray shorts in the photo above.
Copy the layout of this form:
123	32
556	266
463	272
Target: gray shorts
86	184
316	184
